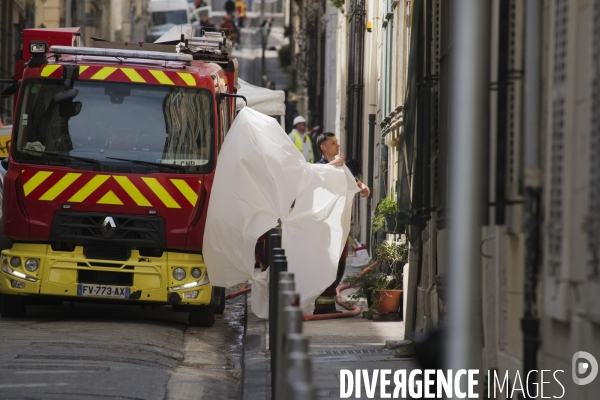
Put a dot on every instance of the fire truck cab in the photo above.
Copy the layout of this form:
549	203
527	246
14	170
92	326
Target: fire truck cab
112	159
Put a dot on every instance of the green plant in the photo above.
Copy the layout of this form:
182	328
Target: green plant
365	284
285	55
378	222
386	275
387	206
391	251
339	4
391	256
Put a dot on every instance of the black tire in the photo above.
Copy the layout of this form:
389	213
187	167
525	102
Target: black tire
203	316
219	293
12	306
5	242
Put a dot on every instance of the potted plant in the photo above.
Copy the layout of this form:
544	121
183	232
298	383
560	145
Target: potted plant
381	283
388	288
387	217
365	283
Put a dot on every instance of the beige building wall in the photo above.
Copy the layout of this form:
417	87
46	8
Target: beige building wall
48	13
571	290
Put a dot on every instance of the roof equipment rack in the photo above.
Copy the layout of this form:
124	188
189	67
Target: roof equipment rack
121	53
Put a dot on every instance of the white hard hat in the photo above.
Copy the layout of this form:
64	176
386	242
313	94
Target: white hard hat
298	119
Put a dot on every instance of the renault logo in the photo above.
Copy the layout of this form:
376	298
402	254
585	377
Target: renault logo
108	227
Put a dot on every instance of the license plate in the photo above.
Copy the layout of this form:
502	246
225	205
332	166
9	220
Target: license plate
103	291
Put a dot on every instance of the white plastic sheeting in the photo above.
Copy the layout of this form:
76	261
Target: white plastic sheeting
266	101
259	174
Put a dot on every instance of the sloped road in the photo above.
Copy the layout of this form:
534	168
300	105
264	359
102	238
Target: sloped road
85	351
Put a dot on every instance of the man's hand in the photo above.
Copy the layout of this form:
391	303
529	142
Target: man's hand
364	189
338	162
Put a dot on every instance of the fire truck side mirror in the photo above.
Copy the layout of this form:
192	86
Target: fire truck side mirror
66	96
70	109
10	90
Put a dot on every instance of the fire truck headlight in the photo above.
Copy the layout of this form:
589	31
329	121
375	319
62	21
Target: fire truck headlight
196	272
15	261
179	274
37	47
31	265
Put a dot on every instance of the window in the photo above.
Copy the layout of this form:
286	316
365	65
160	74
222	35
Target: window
151	124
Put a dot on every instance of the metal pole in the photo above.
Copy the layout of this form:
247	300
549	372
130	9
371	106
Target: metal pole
263	43
530	323
469	95
291	323
286	299
68	13
370	180
131	19
285	295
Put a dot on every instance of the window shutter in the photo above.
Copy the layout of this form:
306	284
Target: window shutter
593	232
555	290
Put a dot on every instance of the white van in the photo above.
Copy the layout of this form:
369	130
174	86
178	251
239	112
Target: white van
164	14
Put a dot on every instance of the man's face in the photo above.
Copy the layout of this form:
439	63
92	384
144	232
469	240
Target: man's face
301	127
330	147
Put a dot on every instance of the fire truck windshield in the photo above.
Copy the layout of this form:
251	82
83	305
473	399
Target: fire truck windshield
115	124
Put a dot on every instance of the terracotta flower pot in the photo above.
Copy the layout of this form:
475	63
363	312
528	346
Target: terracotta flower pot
388	301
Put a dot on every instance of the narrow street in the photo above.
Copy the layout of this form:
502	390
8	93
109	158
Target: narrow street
92	351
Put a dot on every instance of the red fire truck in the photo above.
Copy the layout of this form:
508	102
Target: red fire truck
112	160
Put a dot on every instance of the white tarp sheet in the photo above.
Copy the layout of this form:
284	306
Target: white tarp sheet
259	174
266	101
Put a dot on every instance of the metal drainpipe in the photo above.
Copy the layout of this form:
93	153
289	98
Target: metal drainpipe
68	13
383	179
370	180
469	94
530	324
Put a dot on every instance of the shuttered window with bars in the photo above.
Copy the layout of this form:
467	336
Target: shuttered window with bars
555	283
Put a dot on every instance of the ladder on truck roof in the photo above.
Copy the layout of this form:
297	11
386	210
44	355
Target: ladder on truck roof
210	47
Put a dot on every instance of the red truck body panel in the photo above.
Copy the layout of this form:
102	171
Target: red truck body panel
33	193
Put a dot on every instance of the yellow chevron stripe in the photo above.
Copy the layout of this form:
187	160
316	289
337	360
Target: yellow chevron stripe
103	73
161	193
186	190
161	77
49	69
110	198
132	191
35	181
60	186
89	188
187	78
133	75
82	68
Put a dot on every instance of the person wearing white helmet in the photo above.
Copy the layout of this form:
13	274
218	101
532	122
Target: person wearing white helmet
301	138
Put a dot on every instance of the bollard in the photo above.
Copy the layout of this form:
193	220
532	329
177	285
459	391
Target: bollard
286	298
277	254
273	242
297	343
303	391
290	321
297	370
274	305
280	265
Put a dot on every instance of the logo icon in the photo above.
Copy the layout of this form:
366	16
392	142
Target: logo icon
108	227
584	363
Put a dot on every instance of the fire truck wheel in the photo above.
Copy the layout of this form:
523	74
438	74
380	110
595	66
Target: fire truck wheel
220	295
203	316
5	242
11	306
